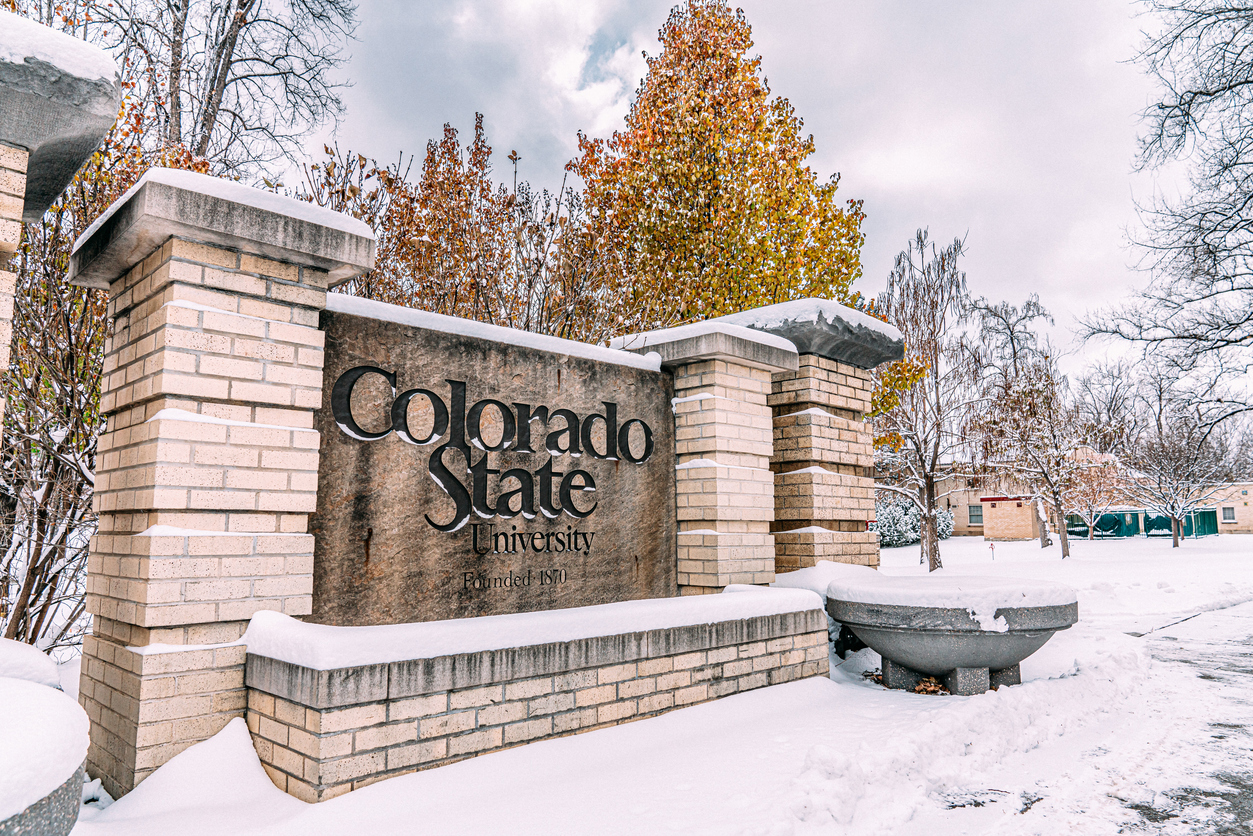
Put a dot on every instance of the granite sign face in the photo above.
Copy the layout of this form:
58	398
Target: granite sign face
462	475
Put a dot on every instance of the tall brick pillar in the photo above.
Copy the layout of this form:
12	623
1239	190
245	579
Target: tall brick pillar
207	470
823	459
724	489
823	465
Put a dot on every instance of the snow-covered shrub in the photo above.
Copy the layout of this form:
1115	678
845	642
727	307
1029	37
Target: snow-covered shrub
897	522
900	524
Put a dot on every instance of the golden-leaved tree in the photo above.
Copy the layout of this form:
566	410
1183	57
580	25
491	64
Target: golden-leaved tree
706	192
456	243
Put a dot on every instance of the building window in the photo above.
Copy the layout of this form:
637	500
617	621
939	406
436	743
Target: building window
976	515
1229	515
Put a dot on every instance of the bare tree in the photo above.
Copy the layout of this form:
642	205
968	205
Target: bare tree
1033	432
1182	457
1105	396
1096	490
1198	308
922	438
1008	339
1019	381
237	83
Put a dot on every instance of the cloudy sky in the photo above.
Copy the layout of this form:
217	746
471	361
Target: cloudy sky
1012	124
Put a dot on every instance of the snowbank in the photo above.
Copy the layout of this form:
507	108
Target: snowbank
234	192
324	647
814	756
218	785
22	38
19	660
1132	584
356	306
43	740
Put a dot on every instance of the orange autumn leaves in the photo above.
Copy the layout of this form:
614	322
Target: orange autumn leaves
702	205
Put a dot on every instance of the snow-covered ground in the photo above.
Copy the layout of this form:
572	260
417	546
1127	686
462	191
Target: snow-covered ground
1109	732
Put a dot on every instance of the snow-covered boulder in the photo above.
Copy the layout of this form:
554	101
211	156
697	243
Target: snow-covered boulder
43	743
19	660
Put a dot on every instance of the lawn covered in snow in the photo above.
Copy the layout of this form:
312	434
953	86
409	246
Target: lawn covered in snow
1108	733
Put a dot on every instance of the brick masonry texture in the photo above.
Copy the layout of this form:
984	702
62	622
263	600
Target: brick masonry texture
723	487
211	375
823	465
12	197
323	733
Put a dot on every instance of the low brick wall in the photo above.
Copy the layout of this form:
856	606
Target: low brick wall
320	734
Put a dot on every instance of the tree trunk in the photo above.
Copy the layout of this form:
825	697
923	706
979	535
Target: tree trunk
224	59
1041	521
174	131
1175	526
930	533
1061	527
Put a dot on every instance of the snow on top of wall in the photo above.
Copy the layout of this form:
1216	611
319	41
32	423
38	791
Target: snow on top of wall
825	572
22	38
19	660
981	596
808	310
234	192
43	739
356	306
324	647
700	329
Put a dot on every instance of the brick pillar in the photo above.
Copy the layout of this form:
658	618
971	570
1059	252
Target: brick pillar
12	197
207	470
823	465
724	489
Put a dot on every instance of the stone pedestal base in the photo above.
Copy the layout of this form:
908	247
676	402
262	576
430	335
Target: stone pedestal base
960	681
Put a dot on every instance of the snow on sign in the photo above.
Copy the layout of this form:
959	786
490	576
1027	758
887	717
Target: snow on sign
471	470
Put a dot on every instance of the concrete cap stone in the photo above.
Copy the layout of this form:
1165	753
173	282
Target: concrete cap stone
209	210
713	340
827	329
59	96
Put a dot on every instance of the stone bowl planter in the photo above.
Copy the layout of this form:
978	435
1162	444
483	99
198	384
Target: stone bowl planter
53	815
43	740
971	632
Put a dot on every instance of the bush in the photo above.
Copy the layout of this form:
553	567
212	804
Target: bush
900	524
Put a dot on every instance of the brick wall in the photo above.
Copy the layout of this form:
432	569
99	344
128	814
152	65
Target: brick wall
823	465
1235	497
320	734
212	372
1010	519
723	484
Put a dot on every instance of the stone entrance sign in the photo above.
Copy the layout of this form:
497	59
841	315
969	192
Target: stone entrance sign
464	474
